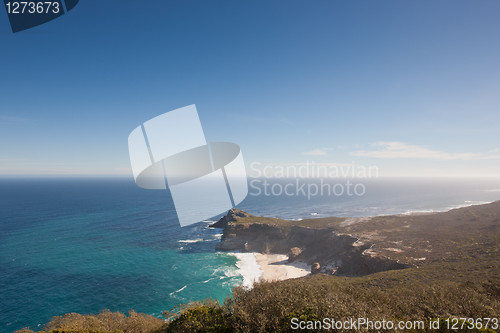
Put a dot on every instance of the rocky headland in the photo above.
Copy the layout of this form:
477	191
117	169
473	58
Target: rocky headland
359	246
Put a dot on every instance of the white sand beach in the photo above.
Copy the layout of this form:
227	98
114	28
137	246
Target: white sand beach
254	266
276	267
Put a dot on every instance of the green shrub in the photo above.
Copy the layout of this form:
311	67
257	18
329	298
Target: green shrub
206	317
305	315
104	322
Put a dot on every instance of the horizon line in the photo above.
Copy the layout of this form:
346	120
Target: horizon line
250	177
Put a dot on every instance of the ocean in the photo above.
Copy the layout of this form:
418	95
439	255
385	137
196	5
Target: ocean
88	244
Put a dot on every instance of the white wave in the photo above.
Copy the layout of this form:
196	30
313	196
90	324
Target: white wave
230	272
211	279
197	240
315	214
224	272
248	268
418	211
467	203
174	292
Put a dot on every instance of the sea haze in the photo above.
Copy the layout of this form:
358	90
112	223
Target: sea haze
87	244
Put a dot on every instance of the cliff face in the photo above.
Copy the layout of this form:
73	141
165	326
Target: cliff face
334	251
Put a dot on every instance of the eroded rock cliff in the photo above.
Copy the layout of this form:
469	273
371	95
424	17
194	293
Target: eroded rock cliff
334	251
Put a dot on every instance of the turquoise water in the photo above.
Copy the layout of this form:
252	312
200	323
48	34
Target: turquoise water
86	245
83	245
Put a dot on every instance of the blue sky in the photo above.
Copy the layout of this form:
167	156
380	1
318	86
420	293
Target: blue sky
410	86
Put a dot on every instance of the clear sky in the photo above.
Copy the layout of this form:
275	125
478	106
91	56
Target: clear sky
410	86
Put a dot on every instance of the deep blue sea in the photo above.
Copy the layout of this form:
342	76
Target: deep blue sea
83	245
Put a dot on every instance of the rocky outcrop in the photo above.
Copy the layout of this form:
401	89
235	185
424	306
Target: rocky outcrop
315	268
231	216
294	253
333	251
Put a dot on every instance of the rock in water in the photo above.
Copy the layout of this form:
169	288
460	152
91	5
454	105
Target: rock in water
315	268
294	253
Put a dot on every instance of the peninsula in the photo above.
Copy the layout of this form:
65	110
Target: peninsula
362	246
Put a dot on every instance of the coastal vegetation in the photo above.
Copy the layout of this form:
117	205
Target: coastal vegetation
410	295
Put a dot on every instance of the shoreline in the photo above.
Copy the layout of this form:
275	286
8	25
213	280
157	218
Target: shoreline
406	212
275	267
257	267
